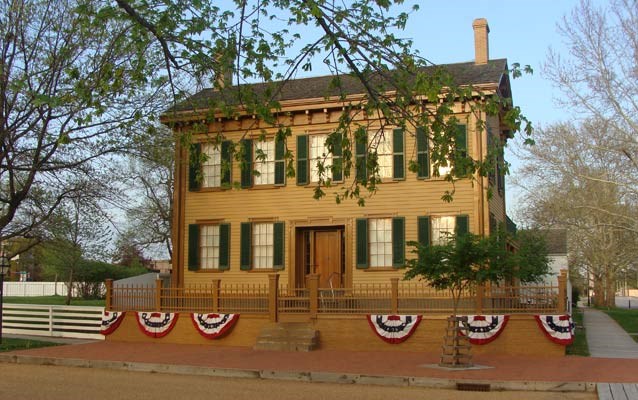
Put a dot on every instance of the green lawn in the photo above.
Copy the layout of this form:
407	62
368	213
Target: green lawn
10	344
52	300
627	319
579	346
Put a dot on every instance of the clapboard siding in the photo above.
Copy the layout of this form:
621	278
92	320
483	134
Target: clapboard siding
293	204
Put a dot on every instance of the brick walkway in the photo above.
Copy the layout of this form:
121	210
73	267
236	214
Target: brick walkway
501	368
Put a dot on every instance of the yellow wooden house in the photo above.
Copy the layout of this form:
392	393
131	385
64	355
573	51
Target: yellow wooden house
250	239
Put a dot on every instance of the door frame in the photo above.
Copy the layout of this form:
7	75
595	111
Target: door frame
327	224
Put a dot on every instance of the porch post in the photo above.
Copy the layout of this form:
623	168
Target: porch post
480	294
158	294
562	291
108	301
273	287
394	300
216	285
312	283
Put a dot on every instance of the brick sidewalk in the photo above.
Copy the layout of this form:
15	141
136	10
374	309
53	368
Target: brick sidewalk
389	364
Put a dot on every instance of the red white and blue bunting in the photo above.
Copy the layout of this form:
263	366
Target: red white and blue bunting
485	328
213	326
394	328
558	328
156	324
111	320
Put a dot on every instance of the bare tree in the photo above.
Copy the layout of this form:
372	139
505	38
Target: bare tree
72	87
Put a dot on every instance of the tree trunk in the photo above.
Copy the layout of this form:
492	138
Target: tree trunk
69	291
610	289
599	291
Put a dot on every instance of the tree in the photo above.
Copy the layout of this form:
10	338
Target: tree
572	180
75	85
258	42
78	232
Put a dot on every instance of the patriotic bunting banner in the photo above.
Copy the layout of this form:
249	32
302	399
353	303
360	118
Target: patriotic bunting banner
214	326
558	328
111	320
485	328
394	328
156	324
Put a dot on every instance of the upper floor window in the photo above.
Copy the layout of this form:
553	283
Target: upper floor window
382	143
319	156
264	162
212	167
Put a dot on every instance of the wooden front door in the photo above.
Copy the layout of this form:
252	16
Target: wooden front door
327	258
319	250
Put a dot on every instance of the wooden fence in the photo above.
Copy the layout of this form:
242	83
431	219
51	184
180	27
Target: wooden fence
393	297
57	321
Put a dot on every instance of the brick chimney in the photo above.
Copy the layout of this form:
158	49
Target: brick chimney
481	42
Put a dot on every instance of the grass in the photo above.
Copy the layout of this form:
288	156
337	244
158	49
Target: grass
579	346
52	300
11	344
627	319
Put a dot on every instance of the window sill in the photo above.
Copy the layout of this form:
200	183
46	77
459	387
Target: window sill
211	189
264	187
263	270
209	271
381	269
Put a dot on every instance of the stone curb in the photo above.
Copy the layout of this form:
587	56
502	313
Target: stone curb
317	377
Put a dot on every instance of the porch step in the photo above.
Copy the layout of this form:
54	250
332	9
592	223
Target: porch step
288	336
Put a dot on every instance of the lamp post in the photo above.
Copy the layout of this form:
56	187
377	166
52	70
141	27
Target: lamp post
4	269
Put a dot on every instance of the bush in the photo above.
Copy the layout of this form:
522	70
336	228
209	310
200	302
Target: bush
92	274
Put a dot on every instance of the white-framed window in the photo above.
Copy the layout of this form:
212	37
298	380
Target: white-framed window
319	154
382	142
265	168
212	167
442	229
263	241
380	242
209	246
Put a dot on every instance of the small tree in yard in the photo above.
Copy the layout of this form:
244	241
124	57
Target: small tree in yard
466	260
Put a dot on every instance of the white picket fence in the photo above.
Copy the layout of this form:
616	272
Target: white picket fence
56	321
29	289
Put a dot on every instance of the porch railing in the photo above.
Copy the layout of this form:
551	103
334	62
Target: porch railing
393	297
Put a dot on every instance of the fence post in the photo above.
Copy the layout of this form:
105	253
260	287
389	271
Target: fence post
158	294
480	294
216	286
50	320
562	291
312	283
394	299
108	302
273	287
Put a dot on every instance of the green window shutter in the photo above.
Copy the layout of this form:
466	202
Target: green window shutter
422	153
227	163
194	166
362	243
423	227
302	160
278	245
462	225
361	161
460	153
398	163
337	159
398	242
280	163
224	246
246	246
193	247
247	165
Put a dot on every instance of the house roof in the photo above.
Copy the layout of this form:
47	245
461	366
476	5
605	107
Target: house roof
318	87
556	240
